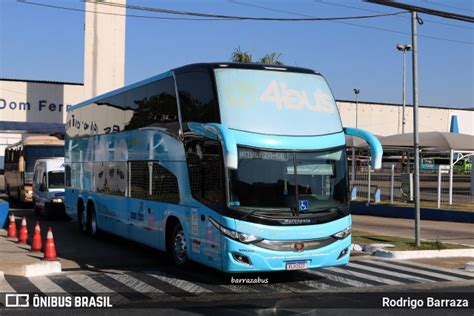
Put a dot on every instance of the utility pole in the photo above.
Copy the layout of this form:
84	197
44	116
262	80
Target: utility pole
416	143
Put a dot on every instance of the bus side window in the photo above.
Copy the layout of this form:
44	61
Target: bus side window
205	167
153	105
196	97
164	185
164	182
139	180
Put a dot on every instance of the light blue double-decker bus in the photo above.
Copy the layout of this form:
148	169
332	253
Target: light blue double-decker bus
241	167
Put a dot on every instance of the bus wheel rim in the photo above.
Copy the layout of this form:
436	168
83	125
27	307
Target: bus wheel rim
93	223
180	246
83	220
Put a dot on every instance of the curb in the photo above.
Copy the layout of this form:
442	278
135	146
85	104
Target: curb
423	254
37	269
432	214
469	266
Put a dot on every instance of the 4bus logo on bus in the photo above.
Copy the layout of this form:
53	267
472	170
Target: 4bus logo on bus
292	99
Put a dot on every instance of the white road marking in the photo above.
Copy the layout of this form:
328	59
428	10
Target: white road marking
140	286
97	288
364	276
339	279
441	269
317	285
419	271
182	284
390	273
4	285
45	285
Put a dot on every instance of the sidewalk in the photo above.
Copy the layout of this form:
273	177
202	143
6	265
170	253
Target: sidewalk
18	260
449	232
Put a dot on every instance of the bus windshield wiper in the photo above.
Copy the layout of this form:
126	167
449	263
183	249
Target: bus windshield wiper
294	211
256	210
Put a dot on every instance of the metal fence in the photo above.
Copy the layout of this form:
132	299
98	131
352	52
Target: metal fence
391	185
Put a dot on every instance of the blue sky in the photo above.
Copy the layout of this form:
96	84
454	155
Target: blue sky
47	44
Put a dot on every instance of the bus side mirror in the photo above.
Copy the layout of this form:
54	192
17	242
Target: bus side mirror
21	164
376	150
42	187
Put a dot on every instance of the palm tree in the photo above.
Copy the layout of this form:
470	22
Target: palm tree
239	56
271	59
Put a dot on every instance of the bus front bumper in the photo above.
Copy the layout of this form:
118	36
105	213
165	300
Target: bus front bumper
241	257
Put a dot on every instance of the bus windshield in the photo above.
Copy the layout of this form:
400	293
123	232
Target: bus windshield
276	102
33	153
267	181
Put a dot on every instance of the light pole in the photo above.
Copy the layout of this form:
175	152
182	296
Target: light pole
356	92
404	49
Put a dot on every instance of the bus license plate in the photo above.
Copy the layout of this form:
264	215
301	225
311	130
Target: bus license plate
296	265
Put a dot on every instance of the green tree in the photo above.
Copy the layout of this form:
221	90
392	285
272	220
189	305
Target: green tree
239	56
271	59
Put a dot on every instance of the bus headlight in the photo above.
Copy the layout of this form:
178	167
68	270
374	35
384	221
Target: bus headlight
243	238
29	192
56	200
343	233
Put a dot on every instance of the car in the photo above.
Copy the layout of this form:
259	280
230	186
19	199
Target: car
48	187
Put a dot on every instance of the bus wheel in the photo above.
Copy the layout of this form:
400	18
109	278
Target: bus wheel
93	229
178	246
82	219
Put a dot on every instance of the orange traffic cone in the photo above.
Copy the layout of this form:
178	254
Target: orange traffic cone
12	227
23	238
50	248
37	242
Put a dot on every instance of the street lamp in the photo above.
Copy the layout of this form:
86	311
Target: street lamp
404	48
357	91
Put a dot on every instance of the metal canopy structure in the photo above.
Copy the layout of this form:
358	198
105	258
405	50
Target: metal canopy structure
432	141
461	145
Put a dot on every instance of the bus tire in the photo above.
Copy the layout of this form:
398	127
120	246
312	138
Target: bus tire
82	218
92	220
177	245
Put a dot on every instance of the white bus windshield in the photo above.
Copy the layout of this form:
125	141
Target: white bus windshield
276	102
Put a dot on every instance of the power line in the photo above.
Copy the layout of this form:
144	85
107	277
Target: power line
116	14
414	8
221	19
358	25
446	5
233	17
400	16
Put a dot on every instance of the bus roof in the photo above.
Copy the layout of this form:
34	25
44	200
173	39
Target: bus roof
39	140
191	67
